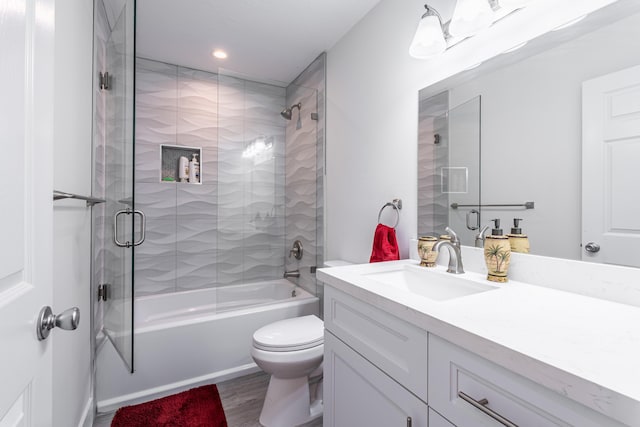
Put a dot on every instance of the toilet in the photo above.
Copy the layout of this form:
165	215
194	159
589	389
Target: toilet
291	350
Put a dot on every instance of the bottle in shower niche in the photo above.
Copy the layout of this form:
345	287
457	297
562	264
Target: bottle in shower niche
497	254
183	169
194	170
519	242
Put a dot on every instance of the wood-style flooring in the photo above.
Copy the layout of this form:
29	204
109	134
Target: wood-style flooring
242	400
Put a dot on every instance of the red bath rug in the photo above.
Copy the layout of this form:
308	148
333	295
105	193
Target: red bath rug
198	407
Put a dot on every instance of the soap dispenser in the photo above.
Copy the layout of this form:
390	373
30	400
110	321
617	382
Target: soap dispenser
497	254
519	242
194	170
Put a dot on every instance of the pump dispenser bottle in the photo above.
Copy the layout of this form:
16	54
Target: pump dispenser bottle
497	254
519	242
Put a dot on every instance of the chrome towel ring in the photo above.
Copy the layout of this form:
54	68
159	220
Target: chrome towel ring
396	204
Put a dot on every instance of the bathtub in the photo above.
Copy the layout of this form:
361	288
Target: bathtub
190	338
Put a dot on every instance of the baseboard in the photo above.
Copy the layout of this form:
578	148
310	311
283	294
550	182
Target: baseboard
109	405
87	414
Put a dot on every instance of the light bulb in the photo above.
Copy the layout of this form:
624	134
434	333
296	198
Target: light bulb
429	38
470	17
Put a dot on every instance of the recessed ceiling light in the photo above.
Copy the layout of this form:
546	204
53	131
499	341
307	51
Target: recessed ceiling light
220	54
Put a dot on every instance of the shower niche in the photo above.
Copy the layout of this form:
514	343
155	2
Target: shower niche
180	164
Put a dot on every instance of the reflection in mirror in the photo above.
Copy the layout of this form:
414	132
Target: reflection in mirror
532	132
448	166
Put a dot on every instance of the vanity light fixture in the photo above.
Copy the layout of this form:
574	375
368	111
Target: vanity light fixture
220	54
433	37
470	17
429	38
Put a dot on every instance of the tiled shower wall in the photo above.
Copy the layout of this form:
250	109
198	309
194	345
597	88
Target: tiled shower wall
231	228
433	204
305	172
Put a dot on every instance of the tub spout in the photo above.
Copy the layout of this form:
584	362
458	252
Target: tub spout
293	273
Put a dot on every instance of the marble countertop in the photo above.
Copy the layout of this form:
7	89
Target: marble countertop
585	348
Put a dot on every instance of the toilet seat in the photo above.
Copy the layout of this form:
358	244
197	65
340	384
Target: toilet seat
294	334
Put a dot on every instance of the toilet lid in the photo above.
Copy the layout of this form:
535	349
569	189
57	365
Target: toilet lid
298	333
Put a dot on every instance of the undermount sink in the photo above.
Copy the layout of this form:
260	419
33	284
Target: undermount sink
438	286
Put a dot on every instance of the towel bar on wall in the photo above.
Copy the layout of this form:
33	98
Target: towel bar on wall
59	195
396	204
526	205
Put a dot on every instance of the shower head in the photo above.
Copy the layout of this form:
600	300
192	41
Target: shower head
286	113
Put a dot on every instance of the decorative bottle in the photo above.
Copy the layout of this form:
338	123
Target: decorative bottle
425	250
519	242
497	254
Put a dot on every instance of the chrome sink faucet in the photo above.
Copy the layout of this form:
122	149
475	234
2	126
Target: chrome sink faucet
455	240
455	255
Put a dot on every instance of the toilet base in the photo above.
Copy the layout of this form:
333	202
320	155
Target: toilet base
287	403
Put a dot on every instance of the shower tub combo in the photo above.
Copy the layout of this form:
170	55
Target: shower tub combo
190	338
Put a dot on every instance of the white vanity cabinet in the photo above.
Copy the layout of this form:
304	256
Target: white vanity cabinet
359	394
375	366
380	370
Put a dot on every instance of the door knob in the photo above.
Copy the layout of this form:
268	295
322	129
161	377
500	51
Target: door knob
68	320
592	247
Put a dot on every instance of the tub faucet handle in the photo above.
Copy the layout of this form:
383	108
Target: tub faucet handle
296	250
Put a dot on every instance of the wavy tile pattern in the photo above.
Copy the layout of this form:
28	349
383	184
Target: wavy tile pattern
239	224
231	228
304	171
433	204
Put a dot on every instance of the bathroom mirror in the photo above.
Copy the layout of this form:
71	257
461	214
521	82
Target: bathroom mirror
531	126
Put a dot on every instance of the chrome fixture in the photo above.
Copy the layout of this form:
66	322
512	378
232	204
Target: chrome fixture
67	320
286	113
296	250
143	227
455	256
455	240
433	37
104	290
292	273
396	204
480	237
482	406
526	205
592	247
59	195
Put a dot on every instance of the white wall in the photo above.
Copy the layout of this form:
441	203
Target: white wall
72	380
372	110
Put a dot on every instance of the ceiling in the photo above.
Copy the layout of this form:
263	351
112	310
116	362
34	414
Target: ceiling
271	41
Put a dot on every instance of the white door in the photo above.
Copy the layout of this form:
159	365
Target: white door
26	214
611	168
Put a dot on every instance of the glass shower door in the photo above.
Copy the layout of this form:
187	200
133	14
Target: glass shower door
449	167
460	179
120	220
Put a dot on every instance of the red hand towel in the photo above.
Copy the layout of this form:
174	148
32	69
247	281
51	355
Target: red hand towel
385	245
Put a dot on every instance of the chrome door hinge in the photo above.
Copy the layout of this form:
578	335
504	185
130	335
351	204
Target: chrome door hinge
104	292
104	80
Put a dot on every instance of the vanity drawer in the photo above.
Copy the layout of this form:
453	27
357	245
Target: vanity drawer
459	381
396	347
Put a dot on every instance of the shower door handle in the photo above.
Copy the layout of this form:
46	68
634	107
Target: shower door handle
143	226
118	243
475	226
